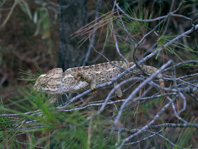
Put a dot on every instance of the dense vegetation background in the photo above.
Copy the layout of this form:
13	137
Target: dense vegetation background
38	35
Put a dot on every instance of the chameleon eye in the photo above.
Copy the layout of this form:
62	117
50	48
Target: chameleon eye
43	84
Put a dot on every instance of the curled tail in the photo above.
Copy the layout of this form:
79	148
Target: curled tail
151	70
161	82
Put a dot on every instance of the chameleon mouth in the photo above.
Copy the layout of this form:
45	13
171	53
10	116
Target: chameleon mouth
36	86
80	85
73	88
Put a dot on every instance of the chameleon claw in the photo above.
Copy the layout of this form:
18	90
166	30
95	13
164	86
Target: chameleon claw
93	87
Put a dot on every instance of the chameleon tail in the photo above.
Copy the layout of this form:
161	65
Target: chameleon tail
151	70
161	82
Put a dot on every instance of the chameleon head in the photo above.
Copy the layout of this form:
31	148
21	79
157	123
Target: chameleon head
49	82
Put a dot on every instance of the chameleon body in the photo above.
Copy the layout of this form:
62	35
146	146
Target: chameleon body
79	79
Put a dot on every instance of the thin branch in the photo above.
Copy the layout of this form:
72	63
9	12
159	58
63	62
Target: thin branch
92	40
130	97
147	126
10	13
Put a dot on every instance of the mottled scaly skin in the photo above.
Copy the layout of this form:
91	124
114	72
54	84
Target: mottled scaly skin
79	79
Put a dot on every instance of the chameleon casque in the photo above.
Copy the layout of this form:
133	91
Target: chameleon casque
79	79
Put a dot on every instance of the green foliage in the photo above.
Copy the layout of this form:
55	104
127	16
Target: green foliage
30	77
135	28
184	138
4	121
42	125
182	141
163	40
42	21
39	15
67	129
177	49
26	9
53	127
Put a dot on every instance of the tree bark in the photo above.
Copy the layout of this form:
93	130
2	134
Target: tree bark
73	15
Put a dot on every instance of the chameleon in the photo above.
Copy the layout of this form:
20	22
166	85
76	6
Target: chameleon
78	79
